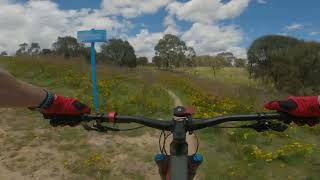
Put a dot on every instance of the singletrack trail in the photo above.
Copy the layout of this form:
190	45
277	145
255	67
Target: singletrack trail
31	150
192	143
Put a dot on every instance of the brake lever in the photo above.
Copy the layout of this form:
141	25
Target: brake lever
279	127
262	126
98	127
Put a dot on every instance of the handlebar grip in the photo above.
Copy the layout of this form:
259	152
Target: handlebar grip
311	121
63	120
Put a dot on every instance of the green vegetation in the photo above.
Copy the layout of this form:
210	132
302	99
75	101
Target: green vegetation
119	52
290	64
245	154
229	154
229	75
171	52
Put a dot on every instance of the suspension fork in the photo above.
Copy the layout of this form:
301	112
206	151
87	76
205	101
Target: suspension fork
178	165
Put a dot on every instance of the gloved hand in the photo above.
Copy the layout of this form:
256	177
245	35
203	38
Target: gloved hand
306	107
62	110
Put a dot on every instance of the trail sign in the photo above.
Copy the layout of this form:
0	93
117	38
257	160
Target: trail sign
93	36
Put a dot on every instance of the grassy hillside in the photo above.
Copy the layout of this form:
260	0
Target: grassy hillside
78	154
231	75
245	154
74	152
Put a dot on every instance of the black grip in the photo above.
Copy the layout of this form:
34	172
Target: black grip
63	120
311	121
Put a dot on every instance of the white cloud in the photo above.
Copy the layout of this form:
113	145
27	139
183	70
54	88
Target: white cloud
205	35
43	22
262	1
315	33
283	34
144	42
213	39
132	8
294	26
207	11
171	25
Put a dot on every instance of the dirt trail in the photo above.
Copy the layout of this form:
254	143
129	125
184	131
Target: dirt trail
192	143
38	160
27	160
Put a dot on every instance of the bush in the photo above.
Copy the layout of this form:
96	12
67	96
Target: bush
289	64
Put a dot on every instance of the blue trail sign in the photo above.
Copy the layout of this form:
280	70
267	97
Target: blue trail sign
93	36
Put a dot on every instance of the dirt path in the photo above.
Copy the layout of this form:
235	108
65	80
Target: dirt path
192	144
33	153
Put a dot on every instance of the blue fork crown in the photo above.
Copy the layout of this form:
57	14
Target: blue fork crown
194	163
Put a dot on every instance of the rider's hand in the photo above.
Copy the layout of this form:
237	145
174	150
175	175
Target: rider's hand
62	110
307	107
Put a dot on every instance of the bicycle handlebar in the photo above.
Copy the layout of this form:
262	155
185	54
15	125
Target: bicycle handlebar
154	123
190	125
203	123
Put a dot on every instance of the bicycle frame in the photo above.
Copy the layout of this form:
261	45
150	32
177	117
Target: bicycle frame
179	166
178	159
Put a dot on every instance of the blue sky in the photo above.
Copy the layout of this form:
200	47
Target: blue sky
211	26
259	19
275	15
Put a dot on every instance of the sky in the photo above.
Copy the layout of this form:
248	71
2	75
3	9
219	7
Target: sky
209	26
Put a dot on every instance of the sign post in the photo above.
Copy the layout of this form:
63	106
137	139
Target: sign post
93	36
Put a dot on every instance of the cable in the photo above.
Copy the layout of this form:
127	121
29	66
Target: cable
198	143
160	148
130	129
227	127
164	143
105	128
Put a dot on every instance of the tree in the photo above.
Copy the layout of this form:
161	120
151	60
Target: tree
240	62
216	63
46	52
171	50
208	61
67	46
190	57
23	49
266	56
290	64
3	53
142	61
305	68
229	58
157	61
34	49
119	52
85	52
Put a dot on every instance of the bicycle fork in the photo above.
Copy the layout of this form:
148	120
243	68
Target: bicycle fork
162	160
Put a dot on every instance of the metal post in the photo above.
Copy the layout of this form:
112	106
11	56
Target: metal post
94	80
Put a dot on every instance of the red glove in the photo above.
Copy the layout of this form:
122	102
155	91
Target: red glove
307	107
62	110
65	106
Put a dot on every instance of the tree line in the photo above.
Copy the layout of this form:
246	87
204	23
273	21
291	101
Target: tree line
170	53
115	51
290	64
